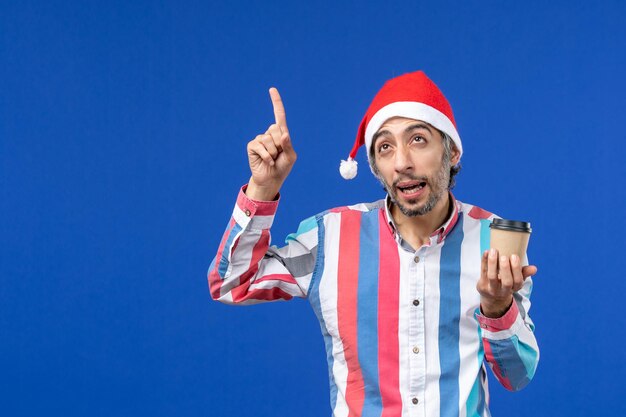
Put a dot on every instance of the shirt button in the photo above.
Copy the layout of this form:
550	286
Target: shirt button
416	259
247	212
414	400
416	302
416	350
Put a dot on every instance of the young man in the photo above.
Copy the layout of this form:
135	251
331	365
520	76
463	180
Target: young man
410	301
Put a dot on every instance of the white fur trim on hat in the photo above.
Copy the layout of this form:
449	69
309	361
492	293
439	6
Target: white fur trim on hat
411	110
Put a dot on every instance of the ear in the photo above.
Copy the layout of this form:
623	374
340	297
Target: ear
455	156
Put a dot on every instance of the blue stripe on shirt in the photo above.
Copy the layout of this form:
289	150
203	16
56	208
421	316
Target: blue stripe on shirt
449	316
506	352
227	248
476	402
314	299
367	313
305	226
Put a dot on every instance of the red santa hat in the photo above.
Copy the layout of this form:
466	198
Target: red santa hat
411	95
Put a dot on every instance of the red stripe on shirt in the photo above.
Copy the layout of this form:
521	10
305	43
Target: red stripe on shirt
260	248
258	251
242	291
496	368
256	207
479	214
278	277
266	208
214	278
453	220
388	317
347	285
502	323
215	283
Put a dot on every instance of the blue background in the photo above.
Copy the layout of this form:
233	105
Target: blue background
123	128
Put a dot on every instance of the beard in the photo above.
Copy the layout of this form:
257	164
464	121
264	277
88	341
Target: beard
438	185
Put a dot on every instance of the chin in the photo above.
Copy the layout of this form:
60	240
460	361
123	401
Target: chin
414	210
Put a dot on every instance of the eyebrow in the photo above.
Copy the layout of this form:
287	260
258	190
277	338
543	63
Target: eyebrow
407	130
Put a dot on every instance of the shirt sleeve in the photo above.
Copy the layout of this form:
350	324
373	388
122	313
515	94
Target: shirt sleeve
247	270
509	342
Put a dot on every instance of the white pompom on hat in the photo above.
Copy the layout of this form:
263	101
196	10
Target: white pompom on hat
411	95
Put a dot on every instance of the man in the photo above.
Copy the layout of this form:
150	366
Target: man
410	301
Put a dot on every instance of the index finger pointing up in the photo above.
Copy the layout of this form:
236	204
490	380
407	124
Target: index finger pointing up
279	109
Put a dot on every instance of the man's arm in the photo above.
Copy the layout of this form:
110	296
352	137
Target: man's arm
246	269
506	328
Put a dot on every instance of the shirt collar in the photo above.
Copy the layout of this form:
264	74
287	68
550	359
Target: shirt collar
441	232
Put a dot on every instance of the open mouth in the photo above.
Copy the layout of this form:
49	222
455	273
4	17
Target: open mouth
411	187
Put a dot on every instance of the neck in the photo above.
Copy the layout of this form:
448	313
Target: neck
417	230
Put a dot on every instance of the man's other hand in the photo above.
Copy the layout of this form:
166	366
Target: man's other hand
500	277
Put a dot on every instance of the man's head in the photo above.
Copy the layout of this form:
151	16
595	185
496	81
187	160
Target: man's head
414	162
411	96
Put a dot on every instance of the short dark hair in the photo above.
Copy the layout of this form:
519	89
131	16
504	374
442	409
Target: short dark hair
448	147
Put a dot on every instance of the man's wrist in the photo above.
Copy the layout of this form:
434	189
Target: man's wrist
261	193
495	309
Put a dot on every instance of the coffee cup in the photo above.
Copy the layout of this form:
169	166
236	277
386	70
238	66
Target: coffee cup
510	237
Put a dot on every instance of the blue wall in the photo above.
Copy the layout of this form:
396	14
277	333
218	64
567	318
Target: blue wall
123	128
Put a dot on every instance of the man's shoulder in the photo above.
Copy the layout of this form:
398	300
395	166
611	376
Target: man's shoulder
312	223
474	212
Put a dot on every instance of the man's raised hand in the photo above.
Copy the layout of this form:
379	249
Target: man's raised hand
270	155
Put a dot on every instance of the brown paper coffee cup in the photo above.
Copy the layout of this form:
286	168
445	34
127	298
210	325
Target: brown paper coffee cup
510	237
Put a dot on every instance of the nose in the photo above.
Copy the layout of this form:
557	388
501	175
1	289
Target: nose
403	162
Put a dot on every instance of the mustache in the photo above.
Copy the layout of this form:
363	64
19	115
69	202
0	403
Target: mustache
411	178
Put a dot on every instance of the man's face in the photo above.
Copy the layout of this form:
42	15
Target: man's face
409	158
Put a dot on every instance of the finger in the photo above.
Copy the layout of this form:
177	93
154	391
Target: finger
483	282
483	263
516	269
287	146
506	277
279	108
276	132
258	148
529	271
268	142
492	268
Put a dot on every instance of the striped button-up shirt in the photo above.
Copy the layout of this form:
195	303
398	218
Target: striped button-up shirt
402	328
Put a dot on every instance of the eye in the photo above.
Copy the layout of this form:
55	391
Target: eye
419	139
383	147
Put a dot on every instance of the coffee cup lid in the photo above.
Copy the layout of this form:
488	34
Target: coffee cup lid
512	225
